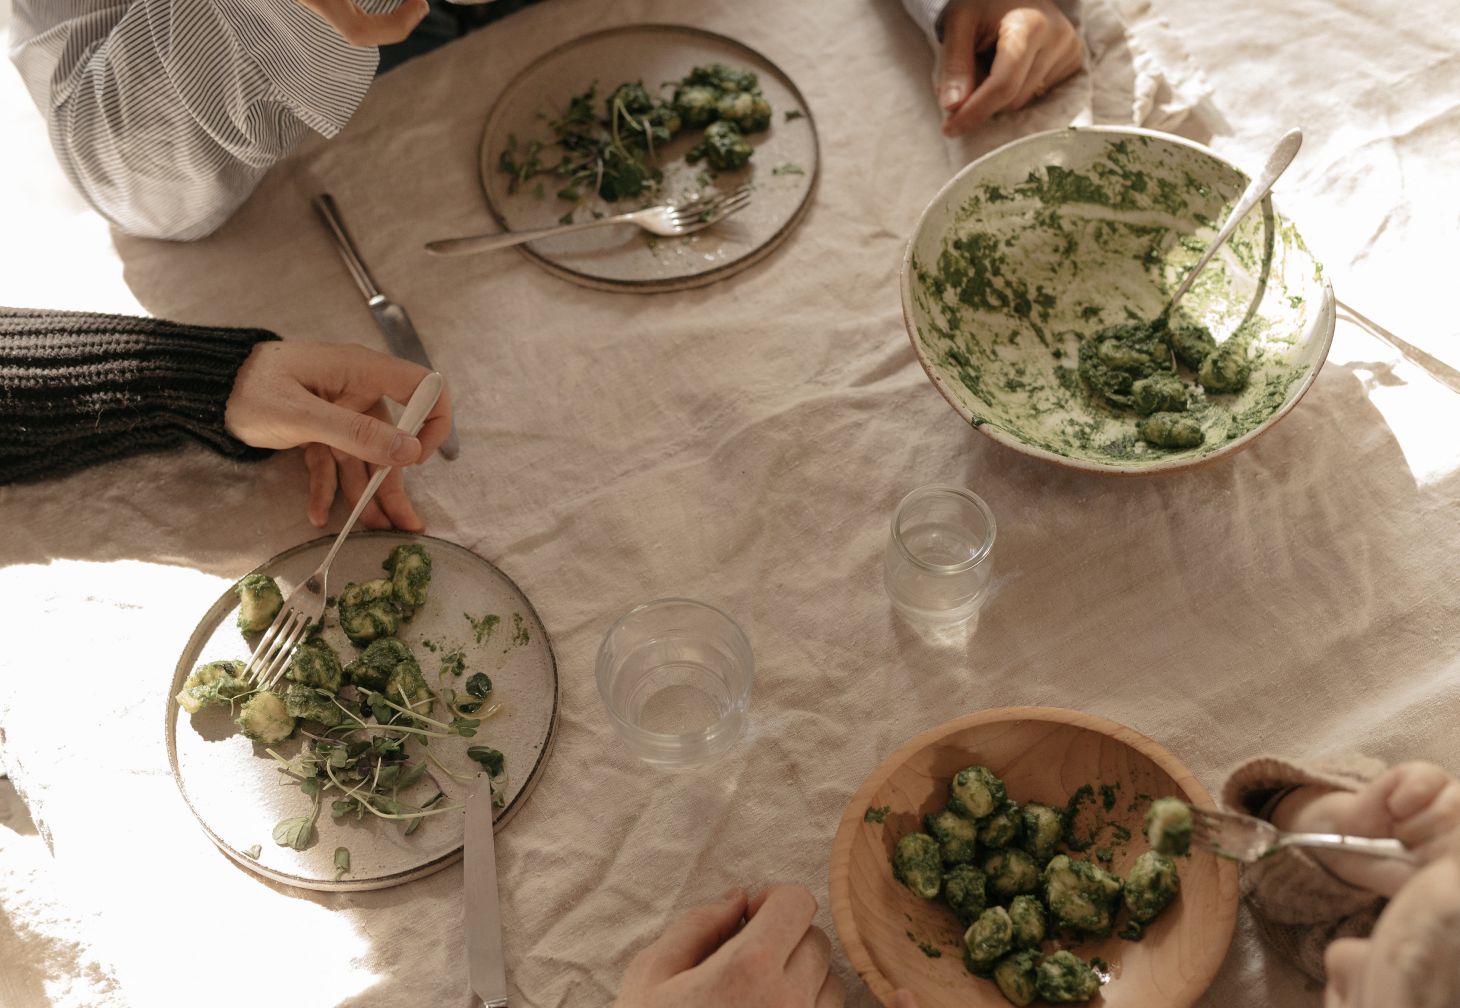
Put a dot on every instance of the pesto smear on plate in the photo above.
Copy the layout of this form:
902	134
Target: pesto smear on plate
1020	269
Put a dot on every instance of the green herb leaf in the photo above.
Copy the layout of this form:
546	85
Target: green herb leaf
297	832
342	862
411	774
479	685
490	759
253	852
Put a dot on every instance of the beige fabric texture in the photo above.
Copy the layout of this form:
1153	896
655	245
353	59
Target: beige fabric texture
744	443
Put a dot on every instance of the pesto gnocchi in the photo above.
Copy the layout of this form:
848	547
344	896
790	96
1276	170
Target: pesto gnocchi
1013	876
1130	366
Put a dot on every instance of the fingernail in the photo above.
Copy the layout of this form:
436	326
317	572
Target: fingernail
952	94
404	449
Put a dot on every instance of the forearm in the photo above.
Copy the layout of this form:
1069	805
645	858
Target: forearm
165	113
77	389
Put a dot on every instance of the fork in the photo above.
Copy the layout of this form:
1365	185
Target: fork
1247	839
668	219
305	604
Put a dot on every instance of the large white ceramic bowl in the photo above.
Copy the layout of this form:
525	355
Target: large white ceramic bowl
1042	243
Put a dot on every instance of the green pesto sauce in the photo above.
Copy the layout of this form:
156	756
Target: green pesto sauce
1084	827
520	635
483	628
1080	834
876	813
1027	270
927	948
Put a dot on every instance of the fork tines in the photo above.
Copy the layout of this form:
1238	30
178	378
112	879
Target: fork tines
708	209
269	660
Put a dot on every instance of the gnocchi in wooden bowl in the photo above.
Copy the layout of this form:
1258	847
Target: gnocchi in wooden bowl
1001	858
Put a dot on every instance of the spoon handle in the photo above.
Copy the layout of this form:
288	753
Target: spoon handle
1277	162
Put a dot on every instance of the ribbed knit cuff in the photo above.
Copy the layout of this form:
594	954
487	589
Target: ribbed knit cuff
1300	905
78	388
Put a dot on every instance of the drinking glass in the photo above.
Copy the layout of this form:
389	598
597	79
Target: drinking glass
938	561
675	675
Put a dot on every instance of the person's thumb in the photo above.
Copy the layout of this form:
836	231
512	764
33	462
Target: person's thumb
359	434
955	75
904	999
691	937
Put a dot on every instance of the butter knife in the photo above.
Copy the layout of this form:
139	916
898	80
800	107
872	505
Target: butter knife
390	317
486	969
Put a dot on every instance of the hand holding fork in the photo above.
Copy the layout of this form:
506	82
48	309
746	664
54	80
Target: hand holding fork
305	604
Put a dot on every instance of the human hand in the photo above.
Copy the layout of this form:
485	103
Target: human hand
737	953
1416	803
361	29
327	396
1034	45
1409	960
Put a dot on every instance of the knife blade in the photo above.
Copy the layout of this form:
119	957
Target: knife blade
486	969
390	318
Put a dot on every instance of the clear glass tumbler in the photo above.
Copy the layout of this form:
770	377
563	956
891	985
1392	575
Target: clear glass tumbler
675	675
939	555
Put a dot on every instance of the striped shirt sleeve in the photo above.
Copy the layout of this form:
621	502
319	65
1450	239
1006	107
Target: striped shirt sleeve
165	113
928	14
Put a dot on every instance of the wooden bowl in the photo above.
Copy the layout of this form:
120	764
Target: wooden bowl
1043	754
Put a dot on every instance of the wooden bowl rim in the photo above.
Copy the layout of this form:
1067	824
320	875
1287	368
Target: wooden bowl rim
1223	923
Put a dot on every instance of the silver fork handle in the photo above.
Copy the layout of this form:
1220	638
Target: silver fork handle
505	239
411	419
1257	189
1385	847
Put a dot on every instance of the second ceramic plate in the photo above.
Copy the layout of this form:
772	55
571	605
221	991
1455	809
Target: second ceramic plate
473	610
782	172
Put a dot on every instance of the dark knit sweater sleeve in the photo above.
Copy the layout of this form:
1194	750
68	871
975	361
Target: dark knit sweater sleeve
78	388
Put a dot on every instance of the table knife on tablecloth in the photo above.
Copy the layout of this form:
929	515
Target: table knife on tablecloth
485	966
389	316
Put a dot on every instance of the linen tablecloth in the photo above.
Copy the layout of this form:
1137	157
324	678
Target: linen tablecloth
744	444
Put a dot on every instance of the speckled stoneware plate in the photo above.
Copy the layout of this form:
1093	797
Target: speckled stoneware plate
782	171
1037	246
233	787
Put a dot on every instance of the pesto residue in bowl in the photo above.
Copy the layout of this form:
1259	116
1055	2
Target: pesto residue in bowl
1017	268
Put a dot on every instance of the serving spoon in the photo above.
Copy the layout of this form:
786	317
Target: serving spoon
1277	162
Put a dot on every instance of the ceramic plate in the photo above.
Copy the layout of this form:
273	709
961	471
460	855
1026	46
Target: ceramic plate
233	787
782	171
